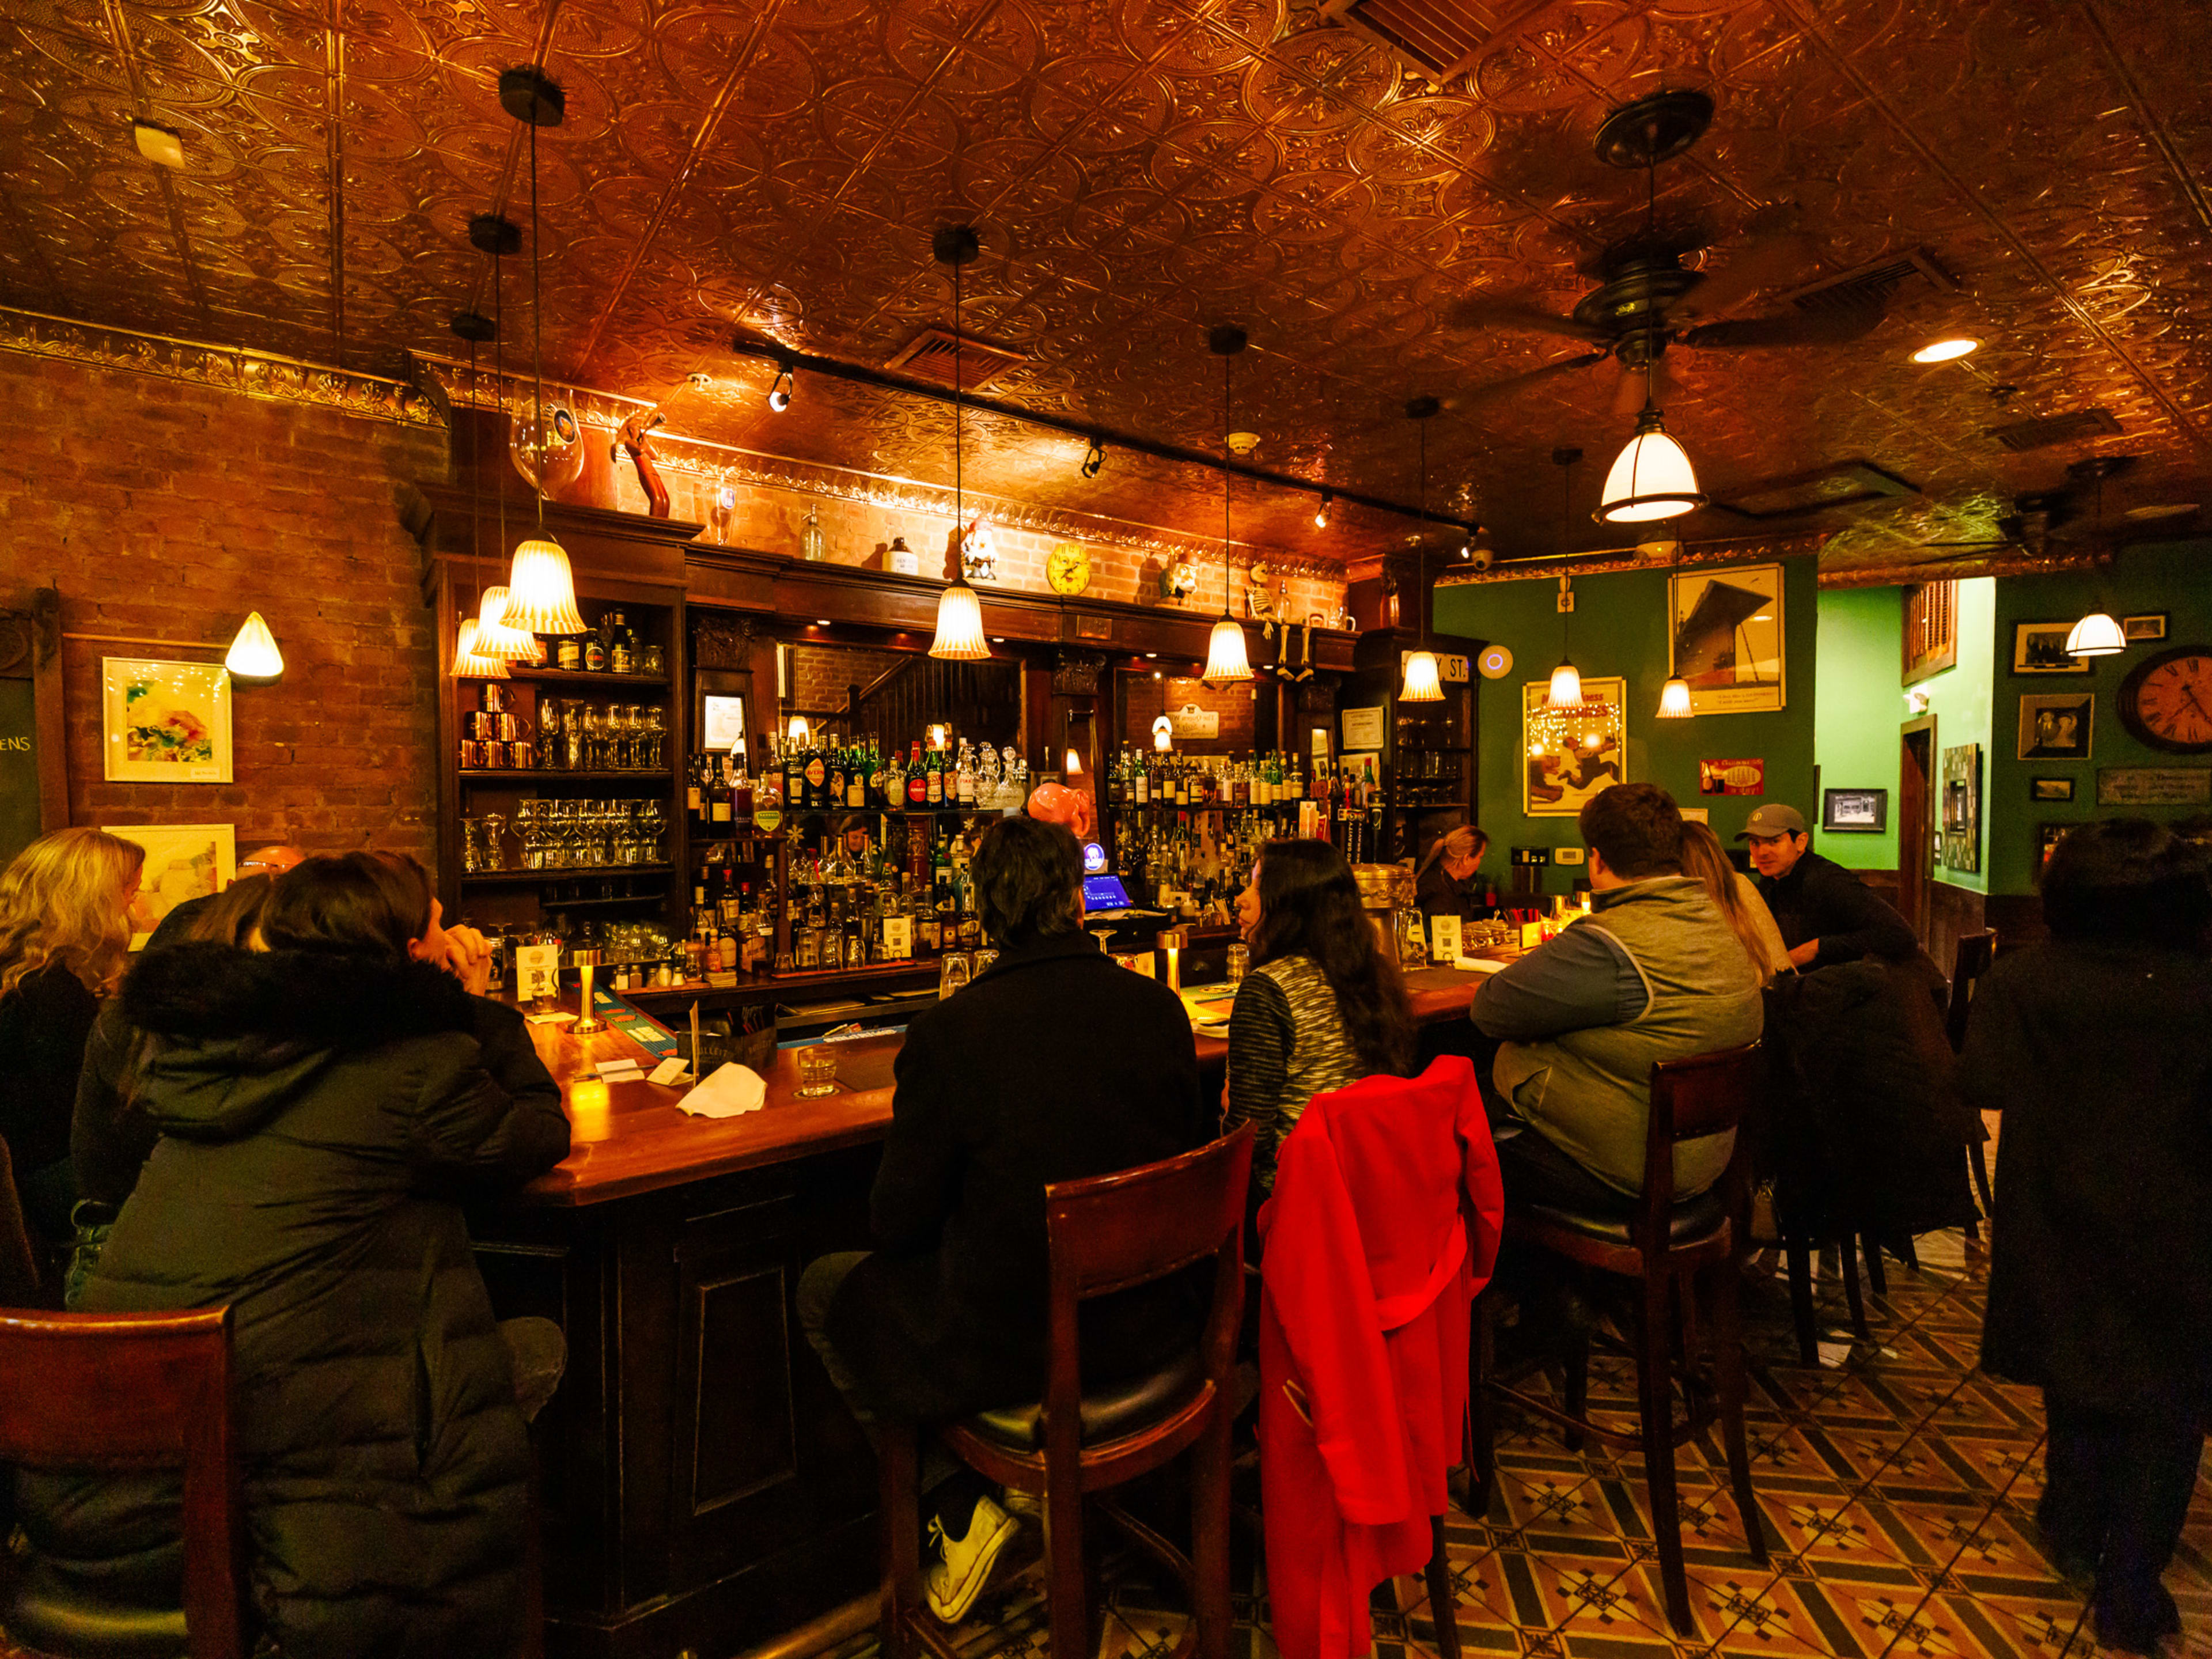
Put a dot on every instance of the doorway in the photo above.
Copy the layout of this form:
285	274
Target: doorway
1916	841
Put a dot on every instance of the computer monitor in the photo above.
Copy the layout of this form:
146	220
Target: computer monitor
1105	893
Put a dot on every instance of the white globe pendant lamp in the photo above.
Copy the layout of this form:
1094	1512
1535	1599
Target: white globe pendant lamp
2096	635
1651	478
1674	699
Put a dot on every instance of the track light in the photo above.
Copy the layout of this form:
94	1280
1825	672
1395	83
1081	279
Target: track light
779	393
1321	512
1093	458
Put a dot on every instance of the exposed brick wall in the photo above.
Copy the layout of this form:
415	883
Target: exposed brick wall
1144	700
168	511
820	675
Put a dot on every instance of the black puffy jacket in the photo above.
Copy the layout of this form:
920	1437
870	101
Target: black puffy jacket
321	1118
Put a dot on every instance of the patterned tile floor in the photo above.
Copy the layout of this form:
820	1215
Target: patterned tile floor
1897	1484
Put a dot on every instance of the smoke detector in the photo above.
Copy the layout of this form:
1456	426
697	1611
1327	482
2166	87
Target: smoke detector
1243	443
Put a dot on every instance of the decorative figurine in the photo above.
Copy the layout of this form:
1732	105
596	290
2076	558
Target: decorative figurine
635	439
1179	581
979	554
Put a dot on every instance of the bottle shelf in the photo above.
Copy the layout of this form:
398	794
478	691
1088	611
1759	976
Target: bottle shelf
548	774
584	677
566	873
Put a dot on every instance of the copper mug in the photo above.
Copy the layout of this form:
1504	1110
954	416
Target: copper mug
472	754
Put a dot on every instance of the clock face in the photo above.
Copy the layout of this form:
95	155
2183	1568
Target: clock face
2166	701
1068	568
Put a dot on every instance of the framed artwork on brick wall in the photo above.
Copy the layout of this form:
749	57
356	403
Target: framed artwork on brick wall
165	722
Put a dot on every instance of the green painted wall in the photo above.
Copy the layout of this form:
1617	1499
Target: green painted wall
1620	628
1960	699
1857	709
2173	577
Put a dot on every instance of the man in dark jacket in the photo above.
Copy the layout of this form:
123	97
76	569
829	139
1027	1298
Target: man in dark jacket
1053	1066
1827	914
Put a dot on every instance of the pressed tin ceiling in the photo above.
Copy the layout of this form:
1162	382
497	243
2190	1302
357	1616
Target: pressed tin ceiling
1141	169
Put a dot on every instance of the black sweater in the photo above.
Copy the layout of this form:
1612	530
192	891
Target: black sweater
1819	899
44	1023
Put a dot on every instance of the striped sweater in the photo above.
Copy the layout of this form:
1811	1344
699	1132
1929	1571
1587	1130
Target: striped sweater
1286	1044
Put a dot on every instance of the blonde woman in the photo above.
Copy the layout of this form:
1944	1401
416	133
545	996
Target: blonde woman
1737	899
1449	881
65	905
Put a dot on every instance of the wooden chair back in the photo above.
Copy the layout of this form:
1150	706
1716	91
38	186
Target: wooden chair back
1692	1099
19	1266
137	1391
1114	1232
1976	952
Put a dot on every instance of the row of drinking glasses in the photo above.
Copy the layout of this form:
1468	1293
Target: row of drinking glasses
567	835
579	737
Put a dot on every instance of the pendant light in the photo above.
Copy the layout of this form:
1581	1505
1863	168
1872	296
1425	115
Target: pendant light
468	662
541	589
253	654
497	237
2096	635
960	635
1675	696
1422	684
471	661
1227	660
1652	477
1567	689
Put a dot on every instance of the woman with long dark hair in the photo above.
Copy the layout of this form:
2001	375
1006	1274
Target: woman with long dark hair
1322	1007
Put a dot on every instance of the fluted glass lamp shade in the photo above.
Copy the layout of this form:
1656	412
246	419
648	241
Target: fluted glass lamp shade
253	654
495	638
541	591
1226	660
1652	478
1422	684
959	625
467	663
1567	690
1674	700
2096	635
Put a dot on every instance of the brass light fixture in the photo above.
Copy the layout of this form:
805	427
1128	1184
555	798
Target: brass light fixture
2097	635
960	637
1674	702
1651	478
1422	682
541	589
1227	661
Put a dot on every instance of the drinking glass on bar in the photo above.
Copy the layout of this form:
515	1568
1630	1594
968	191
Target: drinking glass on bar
818	1071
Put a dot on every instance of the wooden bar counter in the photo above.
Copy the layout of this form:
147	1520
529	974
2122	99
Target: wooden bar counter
702	1489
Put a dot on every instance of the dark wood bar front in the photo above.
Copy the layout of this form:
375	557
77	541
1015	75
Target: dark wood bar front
702	1483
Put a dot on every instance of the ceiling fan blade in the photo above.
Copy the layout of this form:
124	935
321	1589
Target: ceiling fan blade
1476	396
1485	311
1773	251
1836	327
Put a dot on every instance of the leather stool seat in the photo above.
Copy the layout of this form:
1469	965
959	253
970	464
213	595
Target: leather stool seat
1108	1412
47	1613
1688	1222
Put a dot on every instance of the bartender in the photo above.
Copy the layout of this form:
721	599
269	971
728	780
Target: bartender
1449	881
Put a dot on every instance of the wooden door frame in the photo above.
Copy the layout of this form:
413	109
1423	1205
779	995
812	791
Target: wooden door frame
31	649
1912	883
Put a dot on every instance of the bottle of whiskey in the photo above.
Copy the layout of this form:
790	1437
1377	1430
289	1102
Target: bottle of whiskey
622	645
741	793
856	780
693	781
718	793
767	791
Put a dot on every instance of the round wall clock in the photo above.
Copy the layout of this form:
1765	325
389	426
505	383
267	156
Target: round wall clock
1069	570
2166	701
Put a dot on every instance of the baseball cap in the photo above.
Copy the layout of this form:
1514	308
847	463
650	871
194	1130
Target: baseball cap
1773	821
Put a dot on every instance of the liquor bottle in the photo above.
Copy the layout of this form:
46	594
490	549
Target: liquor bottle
595	649
917	782
1141	784
833	793
718	793
856	780
1240	786
964	780
767	792
741	793
933	778
877	796
695	776
568	654
622	645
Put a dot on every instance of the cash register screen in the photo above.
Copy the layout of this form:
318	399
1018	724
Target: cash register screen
1104	893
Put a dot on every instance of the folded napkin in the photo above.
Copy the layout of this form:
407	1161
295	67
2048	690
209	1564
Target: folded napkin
730	1090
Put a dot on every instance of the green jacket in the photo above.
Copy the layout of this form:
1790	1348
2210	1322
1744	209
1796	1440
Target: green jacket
1653	973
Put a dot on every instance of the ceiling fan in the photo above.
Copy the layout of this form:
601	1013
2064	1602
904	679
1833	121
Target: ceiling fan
1649	301
2055	508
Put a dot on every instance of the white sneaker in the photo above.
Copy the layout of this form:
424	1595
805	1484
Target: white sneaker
953	1584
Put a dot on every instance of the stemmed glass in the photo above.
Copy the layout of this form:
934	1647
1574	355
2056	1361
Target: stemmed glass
495	840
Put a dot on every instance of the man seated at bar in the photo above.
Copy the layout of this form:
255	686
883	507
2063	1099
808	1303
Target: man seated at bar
1827	914
1053	1066
1653	973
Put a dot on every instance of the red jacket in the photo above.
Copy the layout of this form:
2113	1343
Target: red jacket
1384	1226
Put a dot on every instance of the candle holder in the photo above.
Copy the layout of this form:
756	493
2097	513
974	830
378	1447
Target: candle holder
587	1022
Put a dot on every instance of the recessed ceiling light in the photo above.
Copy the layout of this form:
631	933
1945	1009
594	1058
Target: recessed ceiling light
998	638
821	622
162	145
1943	351
1149	654
2161	510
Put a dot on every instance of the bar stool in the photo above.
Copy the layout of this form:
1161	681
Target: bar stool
130	1391
1665	1246
1106	1234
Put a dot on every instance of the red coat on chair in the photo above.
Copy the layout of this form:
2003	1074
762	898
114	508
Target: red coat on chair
1384	1226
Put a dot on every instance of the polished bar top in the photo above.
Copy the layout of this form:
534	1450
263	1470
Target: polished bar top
630	1138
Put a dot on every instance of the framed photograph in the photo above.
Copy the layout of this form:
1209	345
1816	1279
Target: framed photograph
1961	807
2050	789
2047	838
2153	785
2039	648
2151	627
1724	635
1555	785
165	722
1854	811
1732	777
183	862
2057	727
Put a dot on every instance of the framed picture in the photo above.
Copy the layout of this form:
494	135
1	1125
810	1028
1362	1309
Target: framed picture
165	722
1961	807
1724	637
1732	777
183	862
2050	789
2057	727
2152	626
2039	648
2047	838
1854	811
1555	785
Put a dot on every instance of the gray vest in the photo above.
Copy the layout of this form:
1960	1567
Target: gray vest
1589	1091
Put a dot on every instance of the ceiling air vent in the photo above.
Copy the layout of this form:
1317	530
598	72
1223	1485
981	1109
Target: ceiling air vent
1435	38
1870	285
929	357
2048	430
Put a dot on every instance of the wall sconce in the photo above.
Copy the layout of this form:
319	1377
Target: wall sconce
253	654
1917	702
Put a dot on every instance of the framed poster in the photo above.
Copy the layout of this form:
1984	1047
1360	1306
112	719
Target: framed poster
1724	635
1363	728
723	723
1555	785
1732	777
1854	812
2057	727
165	722
183	862
2149	627
2050	789
2039	648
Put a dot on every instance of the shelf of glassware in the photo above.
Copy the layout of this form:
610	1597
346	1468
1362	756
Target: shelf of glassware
561	872
509	776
